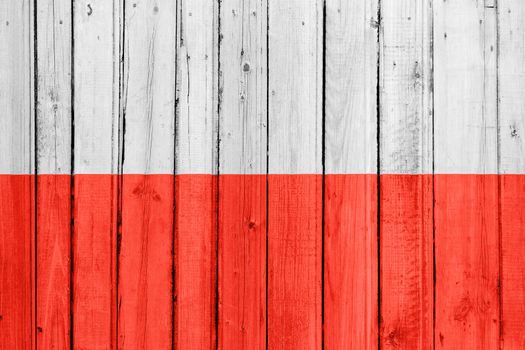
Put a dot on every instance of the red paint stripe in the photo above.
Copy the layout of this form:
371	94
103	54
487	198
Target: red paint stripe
53	261
467	261
242	261
513	260
94	260
406	276
195	259
294	261
16	261
350	258
145	262
467	229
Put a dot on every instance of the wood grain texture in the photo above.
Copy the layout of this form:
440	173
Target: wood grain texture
350	274
195	261
17	200
145	286
466	207
295	201
97	150
53	158
242	262
406	242
350	197
242	195
511	84
17	89
466	224
196	160
17	274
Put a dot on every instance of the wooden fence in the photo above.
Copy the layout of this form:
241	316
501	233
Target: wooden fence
262	174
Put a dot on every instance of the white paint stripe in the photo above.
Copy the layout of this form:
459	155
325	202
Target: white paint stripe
54	88
96	70
295	86
197	95
405	77
149	87
243	113
351	85
512	86
465	127
16	88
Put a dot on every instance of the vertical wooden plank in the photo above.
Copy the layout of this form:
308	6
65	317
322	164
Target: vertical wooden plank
466	195
295	182
406	196
511	78
242	184
96	58
53	168
16	175
145	314
350	197
196	168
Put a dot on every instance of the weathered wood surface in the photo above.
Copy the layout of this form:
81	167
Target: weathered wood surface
406	189
242	169
252	174
350	193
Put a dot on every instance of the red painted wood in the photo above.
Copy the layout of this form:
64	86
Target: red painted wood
16	261
195	261
467	262
512	208
53	217
350	260
145	262
94	260
242	262
294	261
406	264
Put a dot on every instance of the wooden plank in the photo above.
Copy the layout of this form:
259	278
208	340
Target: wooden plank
242	183
295	182
406	197
466	205
17	195
145	278
511	79
96	26
350	195
196	183
53	168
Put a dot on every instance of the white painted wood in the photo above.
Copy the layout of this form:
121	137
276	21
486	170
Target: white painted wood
197	87
465	135
511	70
243	114
351	85
16	89
148	94
53	123
405	80
96	92
295	86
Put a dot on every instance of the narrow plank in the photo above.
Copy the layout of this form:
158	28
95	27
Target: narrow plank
17	192
406	197
53	168
196	181
242	183
511	78
295	182
96	26
466	205
145	283
350	197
